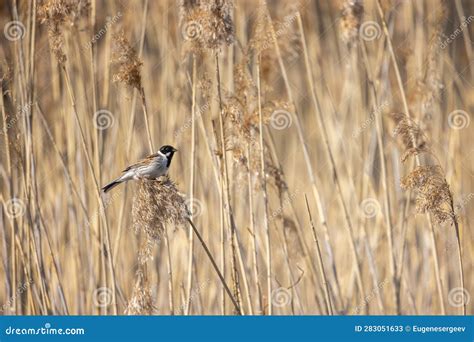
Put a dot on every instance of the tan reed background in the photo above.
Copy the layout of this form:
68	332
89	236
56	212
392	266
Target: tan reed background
325	156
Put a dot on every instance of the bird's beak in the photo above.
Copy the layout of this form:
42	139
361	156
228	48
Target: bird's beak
175	149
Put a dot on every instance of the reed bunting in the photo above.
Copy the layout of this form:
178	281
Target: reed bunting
151	167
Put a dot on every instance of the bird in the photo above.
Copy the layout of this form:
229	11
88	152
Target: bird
151	167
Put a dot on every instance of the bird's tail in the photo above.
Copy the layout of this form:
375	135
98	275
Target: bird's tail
111	185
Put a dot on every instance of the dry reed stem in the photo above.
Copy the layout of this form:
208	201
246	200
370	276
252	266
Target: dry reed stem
191	188
330	157
226	188
216	268
320	262
309	168
107	244
253	233
383	166
265	195
415	145
130	134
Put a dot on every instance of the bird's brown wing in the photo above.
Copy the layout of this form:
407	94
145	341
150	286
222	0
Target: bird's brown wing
144	161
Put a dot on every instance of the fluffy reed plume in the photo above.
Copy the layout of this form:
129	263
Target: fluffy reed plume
410	133
352	13
207	23
433	194
241	125
127	62
141	302
157	203
128	65
57	14
267	31
239	116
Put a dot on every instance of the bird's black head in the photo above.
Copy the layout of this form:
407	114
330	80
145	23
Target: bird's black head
168	151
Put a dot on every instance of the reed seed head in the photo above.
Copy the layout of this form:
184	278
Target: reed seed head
433	193
352	13
157	203
141	302
56	15
412	136
127	62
